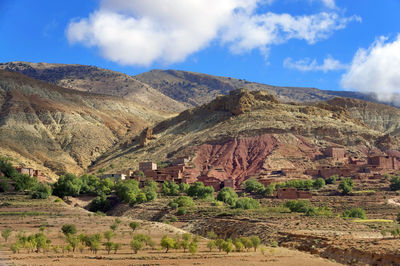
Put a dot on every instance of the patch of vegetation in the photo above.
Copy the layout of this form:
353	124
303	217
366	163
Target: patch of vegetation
22	213
395	183
332	179
228	195
200	191
346	186
247	203
303	206
355	213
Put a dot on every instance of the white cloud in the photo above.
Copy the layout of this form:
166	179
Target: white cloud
329	64
376	70
137	32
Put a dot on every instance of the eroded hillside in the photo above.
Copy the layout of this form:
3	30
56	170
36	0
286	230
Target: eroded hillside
60	130
246	132
97	80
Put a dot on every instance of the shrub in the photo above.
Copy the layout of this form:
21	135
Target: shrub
41	191
346	186
67	185
319	211
398	217
253	186
332	179
4	186
228	195
127	191
319	183
269	190
68	229
247	203
183	201
100	203
211	244
297	205
181	211
170	189
200	191
184	187
355	213
395	183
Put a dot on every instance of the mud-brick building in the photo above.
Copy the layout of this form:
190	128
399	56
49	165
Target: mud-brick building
145	166
384	162
292	193
335	152
210	181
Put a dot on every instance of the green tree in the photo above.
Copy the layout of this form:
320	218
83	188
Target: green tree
255	240
40	191
247	243
108	235
73	241
167	243
136	245
238	245
227	246
219	243
100	203
332	179
355	213
193	247
170	189
67	185
116	247
109	246
200	191
211	244
395	183
114	227
134	226
68	229
227	195
253	186
319	183
346	186
6	233
183	201
247	203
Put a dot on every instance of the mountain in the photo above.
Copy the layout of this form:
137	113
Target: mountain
194	89
96	80
245	133
62	130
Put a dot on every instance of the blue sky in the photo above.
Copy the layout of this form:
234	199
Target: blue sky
249	39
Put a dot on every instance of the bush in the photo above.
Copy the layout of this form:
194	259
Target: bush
183	201
68	229
346	186
100	203
319	183
355	213
24	182
41	191
134	226
4	186
181	211
170	189
200	191
247	203
228	195
67	185
332	179
297	205
395	183
167	243
253	186
184	187
319	211
398	217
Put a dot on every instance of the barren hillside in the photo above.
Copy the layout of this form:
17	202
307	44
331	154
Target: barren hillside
97	80
59	130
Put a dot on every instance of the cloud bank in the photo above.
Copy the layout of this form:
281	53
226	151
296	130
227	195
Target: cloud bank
376	70
137	32
305	65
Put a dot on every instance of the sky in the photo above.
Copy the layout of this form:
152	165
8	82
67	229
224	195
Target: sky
327	44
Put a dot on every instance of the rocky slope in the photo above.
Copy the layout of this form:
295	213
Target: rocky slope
380	117
195	89
245	133
57	129
97	80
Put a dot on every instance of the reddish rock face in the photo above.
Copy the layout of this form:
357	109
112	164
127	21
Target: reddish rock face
236	158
